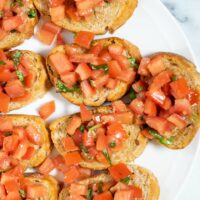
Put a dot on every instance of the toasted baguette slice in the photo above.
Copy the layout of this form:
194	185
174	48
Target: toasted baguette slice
133	146
182	67
141	178
44	150
41	82
16	38
102	94
108	17
48	181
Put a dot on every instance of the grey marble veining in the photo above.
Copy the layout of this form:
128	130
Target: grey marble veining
187	12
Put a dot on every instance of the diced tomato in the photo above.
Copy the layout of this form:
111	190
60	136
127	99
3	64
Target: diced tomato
101	142
48	32
137	106
84	39
55	3
80	189
2	192
193	96
139	86
72	158
60	40
122	60
119	106
29	80
4	162
2	34
86	115
179	88
6	125
84	71
76	197
36	191
85	173
124	118
73	125
160	80
23	70
87	89
25	97
97	74
156	65
12	186
14	89
157	96
61	63
112	83
47	109
114	69
70	78
119	171
124	194
47	166
177	120
143	70
150	107
29	153
101	81
101	158
11	23
10	143
77	137
69	144
146	133
4	102
5	75
159	124
127	76
167	104
33	135
21	149
58	13
59	164
105	55
82	58
182	106
13	196
115	49
105	196
96	49
88	139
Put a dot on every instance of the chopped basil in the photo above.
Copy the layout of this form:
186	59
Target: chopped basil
22	193
132	94
174	78
100	187
32	13
105	153
82	128
94	127
133	62
2	62
126	180
159	137
16	57
97	67
141	88
17	2
1	14
85	152
62	88
112	144
20	75
6	134
89	194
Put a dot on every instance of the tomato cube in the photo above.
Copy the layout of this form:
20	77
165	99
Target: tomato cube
119	106
69	144
137	106
74	123
105	196
47	166
84	39
84	71
86	115
177	120
150	107
143	70
72	158
57	13
11	23
33	135
114	69
87	89
70	78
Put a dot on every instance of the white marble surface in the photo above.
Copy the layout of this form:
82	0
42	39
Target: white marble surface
187	12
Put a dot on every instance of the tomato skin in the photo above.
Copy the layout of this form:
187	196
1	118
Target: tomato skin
12	186
5	75
77	137
69	144
29	153
150	107
72	158
137	106
84	71
86	115
10	143
73	125
21	149
46	167
88	139
59	164
114	69
33	136
143	70
4	102
47	109
87	89
4	162
128	76
167	104
119	171
101	142
13	196
29	80
105	195
119	106
70	78
6	125
101	81
101	158
84	39
78	189
122	60
177	120
105	55
179	88
157	96
36	191
96	49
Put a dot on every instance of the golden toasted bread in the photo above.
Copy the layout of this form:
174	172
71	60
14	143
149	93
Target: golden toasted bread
141	178
108	17
103	94
133	146
42	150
41	82
15	38
48	181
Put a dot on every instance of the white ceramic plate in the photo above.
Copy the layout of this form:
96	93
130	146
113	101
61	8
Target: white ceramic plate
153	29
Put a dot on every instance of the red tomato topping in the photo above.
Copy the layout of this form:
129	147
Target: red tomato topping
143	70
84	71
119	106
137	106
150	107
47	109
11	23
72	158
72	175
4	102
88	139
33	135
86	115
105	196
177	120
73	125
36	191
157	96
70	78
101	142
114	69
6	125
69	144
47	166
87	89
193	96
84	39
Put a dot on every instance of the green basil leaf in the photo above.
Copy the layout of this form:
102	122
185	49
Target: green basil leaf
105	153
126	180
62	88
22	193
97	67
133	63
2	62
112	145
132	94
89	194
20	75
82	128
32	13
86	152
16	56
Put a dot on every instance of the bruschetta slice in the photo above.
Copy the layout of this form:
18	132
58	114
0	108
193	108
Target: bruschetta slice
98	138
16	185
120	183
97	16
167	99
18	19
101	71
24	140
23	79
